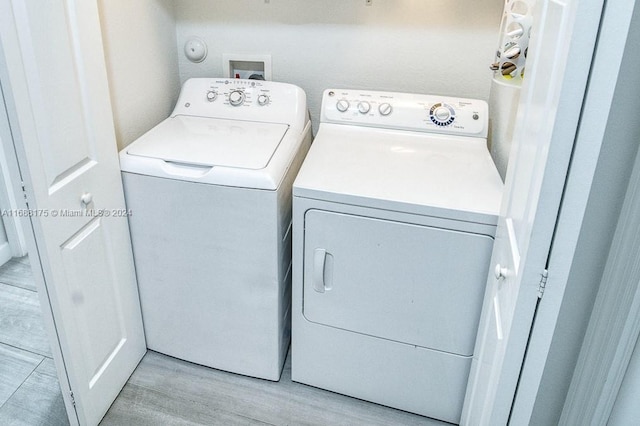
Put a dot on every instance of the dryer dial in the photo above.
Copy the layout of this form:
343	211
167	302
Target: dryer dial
236	97
364	107
385	109
342	105
442	114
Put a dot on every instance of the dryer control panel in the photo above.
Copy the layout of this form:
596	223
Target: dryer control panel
405	111
239	99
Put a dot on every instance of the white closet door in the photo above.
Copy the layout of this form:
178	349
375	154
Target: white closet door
54	79
544	133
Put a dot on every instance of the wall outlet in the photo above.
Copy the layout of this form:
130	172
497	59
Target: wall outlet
244	66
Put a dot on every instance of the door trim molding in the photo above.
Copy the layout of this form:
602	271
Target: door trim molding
615	322
10	187
599	100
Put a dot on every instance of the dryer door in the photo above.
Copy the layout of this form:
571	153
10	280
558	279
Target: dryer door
409	283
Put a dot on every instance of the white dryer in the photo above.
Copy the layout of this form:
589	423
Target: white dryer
395	210
209	191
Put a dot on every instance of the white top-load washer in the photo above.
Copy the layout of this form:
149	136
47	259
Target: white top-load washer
395	209
209	191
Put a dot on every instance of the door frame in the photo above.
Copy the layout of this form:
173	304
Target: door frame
599	98
10	192
614	326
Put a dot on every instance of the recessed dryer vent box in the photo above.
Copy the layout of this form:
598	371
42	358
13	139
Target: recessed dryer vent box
244	66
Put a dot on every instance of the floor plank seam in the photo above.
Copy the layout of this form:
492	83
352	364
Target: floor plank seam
17	286
21	384
25	350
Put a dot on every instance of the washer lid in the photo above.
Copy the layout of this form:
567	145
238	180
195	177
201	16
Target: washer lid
211	142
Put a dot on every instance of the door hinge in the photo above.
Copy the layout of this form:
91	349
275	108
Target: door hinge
73	400
543	283
24	193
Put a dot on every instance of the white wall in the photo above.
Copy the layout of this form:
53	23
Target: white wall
139	38
436	46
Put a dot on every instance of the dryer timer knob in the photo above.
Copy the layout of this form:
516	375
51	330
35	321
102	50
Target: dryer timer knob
385	109
442	114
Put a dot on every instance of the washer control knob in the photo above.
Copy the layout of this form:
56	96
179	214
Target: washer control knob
342	105
263	99
385	109
236	97
212	95
364	107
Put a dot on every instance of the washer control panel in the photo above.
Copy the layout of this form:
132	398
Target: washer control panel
236	92
405	111
241	99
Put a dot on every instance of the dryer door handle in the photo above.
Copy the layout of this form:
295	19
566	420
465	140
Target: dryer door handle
319	257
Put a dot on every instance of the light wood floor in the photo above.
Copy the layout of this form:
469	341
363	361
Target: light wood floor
162	390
